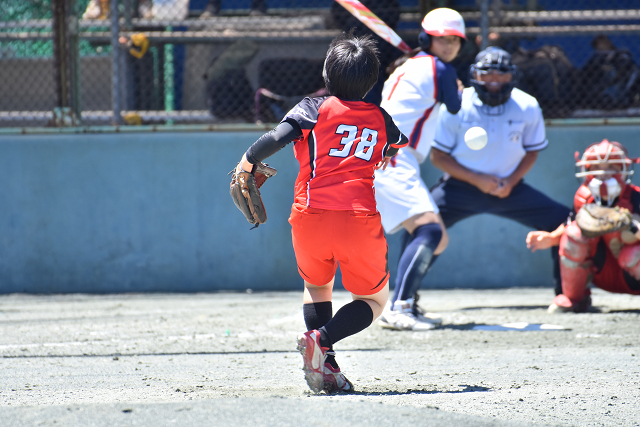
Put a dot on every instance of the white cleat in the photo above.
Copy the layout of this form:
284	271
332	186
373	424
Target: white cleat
403	319
423	316
432	318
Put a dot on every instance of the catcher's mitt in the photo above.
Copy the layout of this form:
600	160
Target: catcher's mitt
595	220
245	191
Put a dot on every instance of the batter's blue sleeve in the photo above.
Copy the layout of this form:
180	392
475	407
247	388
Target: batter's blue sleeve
446	131
448	93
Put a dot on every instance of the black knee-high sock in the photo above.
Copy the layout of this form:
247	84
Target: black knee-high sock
349	320
316	315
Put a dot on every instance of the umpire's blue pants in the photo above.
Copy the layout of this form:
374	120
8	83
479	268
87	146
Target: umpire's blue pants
458	200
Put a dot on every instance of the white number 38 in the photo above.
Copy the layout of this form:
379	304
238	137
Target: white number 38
364	149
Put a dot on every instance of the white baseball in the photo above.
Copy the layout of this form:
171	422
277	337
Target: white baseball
476	138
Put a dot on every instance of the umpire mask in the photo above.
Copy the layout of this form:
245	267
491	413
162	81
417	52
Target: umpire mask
493	76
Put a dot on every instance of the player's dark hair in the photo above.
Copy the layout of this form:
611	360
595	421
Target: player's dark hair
351	67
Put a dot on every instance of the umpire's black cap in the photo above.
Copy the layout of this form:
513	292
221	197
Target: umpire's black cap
495	58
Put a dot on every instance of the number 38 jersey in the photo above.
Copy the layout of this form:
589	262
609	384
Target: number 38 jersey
341	143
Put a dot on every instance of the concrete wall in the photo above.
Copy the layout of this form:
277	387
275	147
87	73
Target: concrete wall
129	212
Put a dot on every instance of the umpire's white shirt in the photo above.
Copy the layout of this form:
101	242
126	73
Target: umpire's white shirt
513	129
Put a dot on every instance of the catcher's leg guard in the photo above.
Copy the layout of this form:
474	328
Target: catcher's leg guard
629	260
562	304
614	242
576	252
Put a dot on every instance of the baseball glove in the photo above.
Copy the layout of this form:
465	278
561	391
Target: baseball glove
245	191
595	220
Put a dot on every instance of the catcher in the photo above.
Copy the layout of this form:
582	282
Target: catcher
339	140
602	244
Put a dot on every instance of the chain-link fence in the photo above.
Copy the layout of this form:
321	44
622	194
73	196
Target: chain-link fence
98	62
578	58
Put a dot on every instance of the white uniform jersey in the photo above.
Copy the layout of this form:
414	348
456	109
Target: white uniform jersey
409	96
400	192
513	129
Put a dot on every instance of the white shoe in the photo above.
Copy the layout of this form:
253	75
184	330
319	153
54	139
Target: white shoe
403	319
423	316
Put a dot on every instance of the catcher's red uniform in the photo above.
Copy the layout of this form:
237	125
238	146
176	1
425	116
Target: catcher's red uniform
334	216
611	264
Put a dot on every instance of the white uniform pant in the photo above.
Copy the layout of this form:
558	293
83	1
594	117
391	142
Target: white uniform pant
401	193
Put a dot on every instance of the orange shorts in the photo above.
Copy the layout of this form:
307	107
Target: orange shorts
322	238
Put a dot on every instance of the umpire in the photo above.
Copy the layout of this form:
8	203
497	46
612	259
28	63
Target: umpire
490	180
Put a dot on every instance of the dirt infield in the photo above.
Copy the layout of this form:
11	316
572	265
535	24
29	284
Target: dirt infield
230	359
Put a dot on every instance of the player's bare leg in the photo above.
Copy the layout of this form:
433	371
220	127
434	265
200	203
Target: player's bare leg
376	301
425	239
316	294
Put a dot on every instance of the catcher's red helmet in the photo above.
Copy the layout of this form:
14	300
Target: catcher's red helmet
605	168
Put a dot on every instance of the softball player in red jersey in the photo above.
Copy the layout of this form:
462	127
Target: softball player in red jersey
339	141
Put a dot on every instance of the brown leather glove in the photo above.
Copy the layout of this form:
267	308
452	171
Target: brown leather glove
244	189
595	220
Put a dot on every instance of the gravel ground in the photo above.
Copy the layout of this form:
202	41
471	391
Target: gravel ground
230	359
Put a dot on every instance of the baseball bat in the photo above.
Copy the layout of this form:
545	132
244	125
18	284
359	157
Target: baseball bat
377	25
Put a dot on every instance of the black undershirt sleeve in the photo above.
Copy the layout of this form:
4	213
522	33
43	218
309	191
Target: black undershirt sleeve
394	136
273	141
391	151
